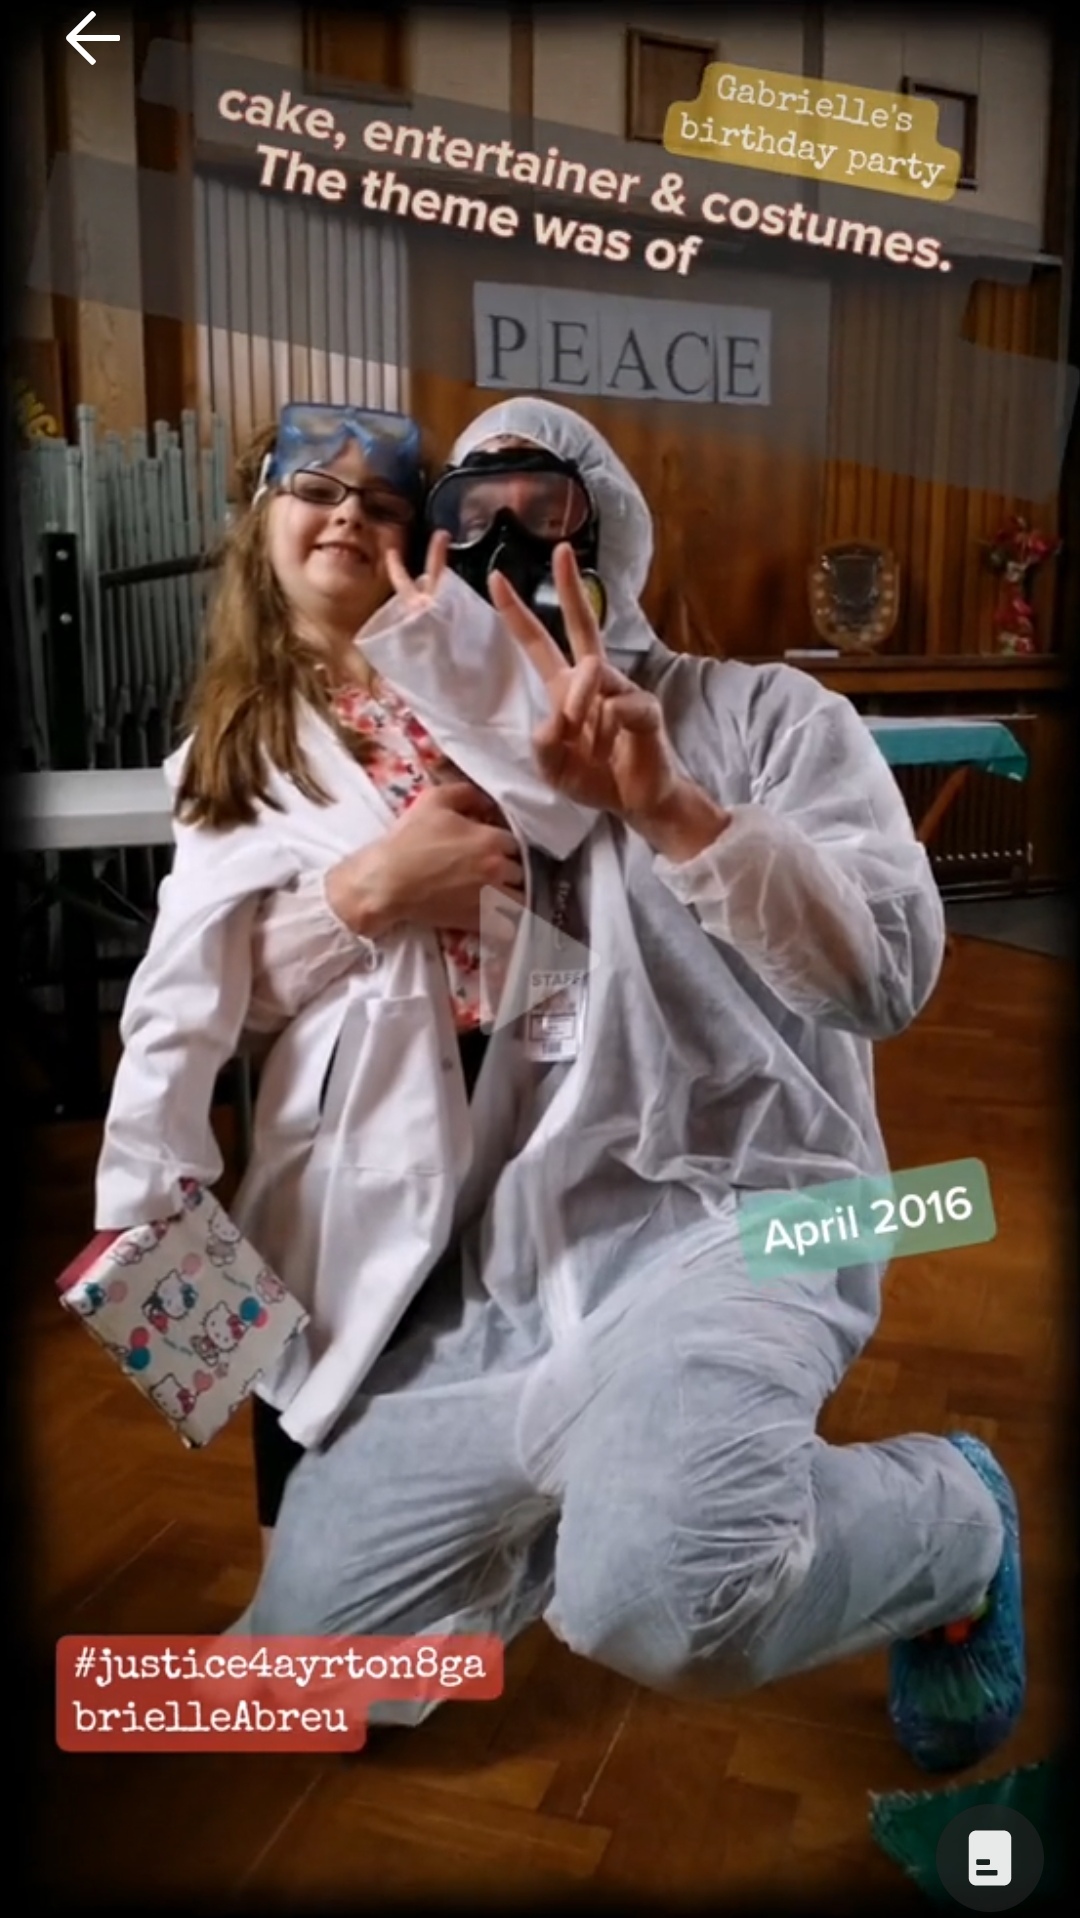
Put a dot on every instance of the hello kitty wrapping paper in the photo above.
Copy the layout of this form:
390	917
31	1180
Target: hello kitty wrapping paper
188	1310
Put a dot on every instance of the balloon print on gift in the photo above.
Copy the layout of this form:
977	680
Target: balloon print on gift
95	1297
137	1353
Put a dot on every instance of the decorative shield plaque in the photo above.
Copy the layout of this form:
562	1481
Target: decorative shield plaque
855	595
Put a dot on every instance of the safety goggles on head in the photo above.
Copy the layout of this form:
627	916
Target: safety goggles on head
545	495
312	436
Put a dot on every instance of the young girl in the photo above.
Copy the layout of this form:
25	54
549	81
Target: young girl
307	775
296	593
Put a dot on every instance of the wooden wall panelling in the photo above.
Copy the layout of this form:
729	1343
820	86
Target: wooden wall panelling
164	144
1016	320
734	523
896	350
358	47
28	179
850	505
943	632
91	110
521	78
64	321
886	490
953	555
939	310
907	676
921	610
660	68
734	527
717	509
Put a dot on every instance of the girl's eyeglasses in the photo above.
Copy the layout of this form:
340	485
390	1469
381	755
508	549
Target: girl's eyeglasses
378	504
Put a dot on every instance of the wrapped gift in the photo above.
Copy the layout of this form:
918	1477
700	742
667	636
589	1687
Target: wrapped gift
189	1311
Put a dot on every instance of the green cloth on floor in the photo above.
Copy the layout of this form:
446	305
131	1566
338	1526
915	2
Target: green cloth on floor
908	1825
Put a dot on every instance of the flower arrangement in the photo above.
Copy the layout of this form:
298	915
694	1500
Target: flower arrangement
1014	553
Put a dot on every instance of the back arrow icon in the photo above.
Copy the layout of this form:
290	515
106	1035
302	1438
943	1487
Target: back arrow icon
76	37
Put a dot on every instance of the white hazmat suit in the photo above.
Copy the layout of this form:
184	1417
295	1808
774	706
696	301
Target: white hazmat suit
592	1412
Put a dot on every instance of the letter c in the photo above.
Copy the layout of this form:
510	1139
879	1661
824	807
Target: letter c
234	93
215	1659
715	219
669	363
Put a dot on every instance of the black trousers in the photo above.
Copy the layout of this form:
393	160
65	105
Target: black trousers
275	1452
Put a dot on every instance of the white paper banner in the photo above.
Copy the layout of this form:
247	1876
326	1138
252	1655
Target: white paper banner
552	340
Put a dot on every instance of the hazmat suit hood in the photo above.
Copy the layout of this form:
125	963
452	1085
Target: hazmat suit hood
626	530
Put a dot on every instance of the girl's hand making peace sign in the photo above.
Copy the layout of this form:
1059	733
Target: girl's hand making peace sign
418	595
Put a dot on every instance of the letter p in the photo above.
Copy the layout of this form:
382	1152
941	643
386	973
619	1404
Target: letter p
808	1227
499	346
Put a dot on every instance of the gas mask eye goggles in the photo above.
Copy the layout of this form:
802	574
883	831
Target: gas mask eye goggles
545	495
311	437
506	512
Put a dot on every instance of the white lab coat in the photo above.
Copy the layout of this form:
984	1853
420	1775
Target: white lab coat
362	1136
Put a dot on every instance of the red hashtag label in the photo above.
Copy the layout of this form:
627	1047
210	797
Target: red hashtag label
153	1694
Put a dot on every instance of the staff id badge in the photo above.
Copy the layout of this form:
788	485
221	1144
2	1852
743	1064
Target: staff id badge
555	1020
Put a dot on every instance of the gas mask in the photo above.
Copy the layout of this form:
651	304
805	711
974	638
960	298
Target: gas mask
506	512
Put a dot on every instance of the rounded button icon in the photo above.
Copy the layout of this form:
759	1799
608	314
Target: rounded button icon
990	1858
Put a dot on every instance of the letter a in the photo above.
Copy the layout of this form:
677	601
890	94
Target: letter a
782	1237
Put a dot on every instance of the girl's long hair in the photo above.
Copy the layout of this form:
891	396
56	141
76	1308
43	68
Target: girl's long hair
256	678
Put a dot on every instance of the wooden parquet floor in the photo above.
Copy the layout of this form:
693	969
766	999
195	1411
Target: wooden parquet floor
574	1784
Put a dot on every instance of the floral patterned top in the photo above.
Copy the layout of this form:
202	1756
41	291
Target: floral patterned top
405	763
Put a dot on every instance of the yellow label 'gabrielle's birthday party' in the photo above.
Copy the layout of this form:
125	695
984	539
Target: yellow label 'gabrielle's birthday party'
815	130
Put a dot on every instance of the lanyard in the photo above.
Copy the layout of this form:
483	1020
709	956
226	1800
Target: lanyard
554	1020
563	891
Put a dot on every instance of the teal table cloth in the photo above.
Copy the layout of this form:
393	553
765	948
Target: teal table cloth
951	742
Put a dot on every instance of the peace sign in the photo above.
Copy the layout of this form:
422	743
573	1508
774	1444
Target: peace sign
605	744
419	594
